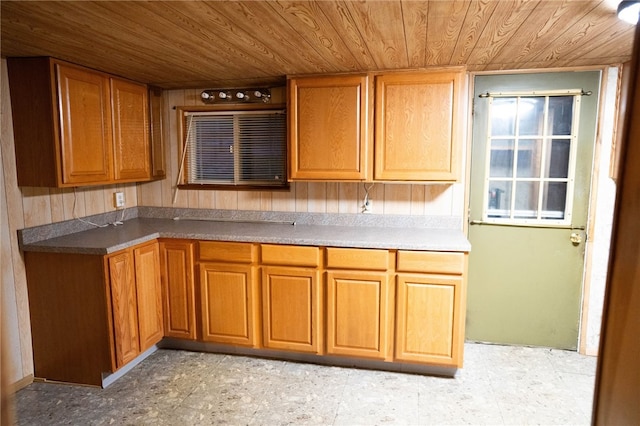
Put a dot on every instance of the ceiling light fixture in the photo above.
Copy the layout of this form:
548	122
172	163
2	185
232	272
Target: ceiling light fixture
212	96
629	11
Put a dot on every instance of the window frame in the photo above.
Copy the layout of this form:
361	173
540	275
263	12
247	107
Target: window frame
570	180
182	129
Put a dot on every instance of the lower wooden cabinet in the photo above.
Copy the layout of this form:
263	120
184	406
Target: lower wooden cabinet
136	300
430	307
178	287
292	298
92	314
359	303
228	293
149	294
291	311
124	306
428	319
358	314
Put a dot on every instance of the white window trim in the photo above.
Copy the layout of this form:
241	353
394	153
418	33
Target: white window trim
538	221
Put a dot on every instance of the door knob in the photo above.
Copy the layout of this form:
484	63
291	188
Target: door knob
576	238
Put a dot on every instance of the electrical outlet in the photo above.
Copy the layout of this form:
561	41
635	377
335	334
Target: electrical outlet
367	206
118	199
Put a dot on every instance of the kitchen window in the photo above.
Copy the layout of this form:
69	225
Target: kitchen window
234	148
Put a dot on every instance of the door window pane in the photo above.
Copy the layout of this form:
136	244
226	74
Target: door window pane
501	162
503	116
558	159
531	116
526	200
529	156
554	200
560	116
499	204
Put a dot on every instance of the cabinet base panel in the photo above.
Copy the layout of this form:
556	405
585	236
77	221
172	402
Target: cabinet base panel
190	345
107	379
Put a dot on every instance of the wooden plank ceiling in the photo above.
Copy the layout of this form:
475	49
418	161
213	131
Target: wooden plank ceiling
187	44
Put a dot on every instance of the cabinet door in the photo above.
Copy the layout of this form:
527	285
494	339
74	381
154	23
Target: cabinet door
329	128
149	294
291	309
157	142
358	314
428	320
132	155
124	307
85	126
228	295
419	125
178	289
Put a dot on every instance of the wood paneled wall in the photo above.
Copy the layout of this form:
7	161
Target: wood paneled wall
315	197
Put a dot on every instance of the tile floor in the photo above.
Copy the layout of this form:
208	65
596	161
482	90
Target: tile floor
499	385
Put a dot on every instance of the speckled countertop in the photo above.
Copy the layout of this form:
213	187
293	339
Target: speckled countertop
112	238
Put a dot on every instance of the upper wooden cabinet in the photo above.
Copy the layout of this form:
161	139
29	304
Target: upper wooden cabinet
85	144
74	126
415	136
418	126
132	153
329	126
157	142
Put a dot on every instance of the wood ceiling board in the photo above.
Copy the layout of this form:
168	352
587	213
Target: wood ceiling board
381	26
197	34
604	61
444	24
283	40
273	81
478	13
236	50
614	43
241	43
499	28
543	26
131	37
584	31
340	17
313	26
80	37
415	16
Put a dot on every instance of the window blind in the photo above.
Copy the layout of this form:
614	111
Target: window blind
236	148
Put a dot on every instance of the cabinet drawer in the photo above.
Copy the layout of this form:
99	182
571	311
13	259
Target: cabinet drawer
290	255
226	252
430	262
349	258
